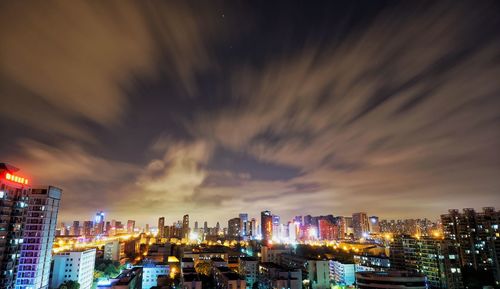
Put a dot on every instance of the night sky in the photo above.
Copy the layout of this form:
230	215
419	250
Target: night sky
147	108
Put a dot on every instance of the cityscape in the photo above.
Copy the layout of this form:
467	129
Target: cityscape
249	144
458	250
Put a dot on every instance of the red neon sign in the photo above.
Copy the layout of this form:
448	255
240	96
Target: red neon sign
16	179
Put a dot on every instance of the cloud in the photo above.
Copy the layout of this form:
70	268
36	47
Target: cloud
87	181
73	62
397	117
402	113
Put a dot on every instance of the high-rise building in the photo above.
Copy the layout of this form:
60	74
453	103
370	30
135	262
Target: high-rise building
266	219
99	223
185	226
328	230
360	225
374	225
130	226
293	231
114	250
276	227
64	230
409	227
39	233
243	224
14	191
74	266
298	219
75	228
348	226
87	228
342	225
253	228
434	258
476	238
307	220
107	229
161	227
233	227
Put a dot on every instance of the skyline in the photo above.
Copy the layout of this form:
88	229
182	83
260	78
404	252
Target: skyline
160	109
169	220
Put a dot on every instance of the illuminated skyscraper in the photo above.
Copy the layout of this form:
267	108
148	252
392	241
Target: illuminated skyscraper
243	224
327	230
185	226
298	219
161	227
360	225
39	233
233	227
130	226
87	228
266	220
374	225
99	223
276	227
75	228
253	228
14	191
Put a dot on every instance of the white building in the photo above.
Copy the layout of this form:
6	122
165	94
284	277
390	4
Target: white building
319	274
342	274
150	273
38	236
74	266
114	250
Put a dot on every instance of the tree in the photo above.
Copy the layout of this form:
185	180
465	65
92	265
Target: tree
204	268
70	285
107	268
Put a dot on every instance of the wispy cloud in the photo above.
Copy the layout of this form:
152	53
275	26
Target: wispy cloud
398	117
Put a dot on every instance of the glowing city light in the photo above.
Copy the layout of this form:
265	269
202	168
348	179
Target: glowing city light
16	179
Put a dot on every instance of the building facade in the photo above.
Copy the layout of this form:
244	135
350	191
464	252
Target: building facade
150	273
266	220
14	192
114	250
74	266
476	237
233	227
248	267
342	273
39	233
434	258
360	225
